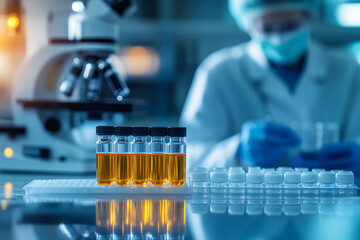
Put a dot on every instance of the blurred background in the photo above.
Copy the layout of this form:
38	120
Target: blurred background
164	42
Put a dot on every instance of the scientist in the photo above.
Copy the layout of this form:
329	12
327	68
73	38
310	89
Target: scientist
280	74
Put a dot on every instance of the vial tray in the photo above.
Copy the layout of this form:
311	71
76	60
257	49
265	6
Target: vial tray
89	187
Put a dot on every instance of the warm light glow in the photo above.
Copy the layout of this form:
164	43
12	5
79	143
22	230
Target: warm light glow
141	61
12	22
8	190
8	152
4	204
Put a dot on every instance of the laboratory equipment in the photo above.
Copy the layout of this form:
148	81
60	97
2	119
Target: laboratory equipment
292	186
309	185
158	157
140	158
104	155
327	184
273	185
122	156
345	183
59	95
315	135
177	156
218	180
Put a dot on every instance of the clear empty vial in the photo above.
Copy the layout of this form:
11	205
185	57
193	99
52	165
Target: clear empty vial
200	183
237	186
158	157
218	180
122	157
327	184
273	185
292	186
345	184
254	186
139	156
177	156
104	155
309	185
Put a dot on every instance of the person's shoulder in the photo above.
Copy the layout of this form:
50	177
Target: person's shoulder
224	57
335	55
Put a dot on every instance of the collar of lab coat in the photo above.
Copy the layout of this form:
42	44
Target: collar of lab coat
258	67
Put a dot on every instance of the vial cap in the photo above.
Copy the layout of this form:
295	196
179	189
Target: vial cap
139	131
284	169
345	177
176	131
122	130
265	170
158	131
292	177
326	177
218	175
254	177
254	169
199	175
309	177
273	177
236	174
317	170
104	130
301	169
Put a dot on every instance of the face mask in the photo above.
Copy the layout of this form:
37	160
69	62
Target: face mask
284	48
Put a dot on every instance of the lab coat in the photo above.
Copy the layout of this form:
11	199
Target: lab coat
237	84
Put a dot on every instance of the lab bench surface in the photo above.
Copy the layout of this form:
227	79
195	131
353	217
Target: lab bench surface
211	217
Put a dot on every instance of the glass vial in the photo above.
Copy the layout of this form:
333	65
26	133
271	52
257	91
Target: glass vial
177	156
122	157
158	158
140	160
104	155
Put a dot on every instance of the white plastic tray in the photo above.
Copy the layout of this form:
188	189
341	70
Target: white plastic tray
91	187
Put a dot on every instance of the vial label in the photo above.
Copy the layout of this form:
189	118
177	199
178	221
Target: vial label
140	169
122	169
104	168
177	169
158	169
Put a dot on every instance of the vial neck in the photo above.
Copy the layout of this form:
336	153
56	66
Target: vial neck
177	139
122	138
157	139
139	138
104	137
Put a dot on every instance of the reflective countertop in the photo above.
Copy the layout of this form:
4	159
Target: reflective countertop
171	217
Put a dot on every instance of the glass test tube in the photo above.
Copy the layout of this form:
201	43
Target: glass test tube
104	155
177	156
158	158
122	157
140	160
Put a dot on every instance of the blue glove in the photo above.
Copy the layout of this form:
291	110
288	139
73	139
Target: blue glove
265	144
344	156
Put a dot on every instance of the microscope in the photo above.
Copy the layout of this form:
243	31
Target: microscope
70	81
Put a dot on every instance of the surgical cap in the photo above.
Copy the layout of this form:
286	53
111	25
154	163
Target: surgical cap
244	11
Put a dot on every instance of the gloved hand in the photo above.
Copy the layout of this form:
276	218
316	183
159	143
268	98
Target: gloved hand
345	156
265	144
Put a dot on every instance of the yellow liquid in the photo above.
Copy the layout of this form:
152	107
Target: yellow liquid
140	169
122	169
177	169
158	169
176	223
104	168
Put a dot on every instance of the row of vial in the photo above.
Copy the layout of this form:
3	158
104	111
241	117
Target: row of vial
284	177
137	160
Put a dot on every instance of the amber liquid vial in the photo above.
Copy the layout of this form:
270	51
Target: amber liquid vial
140	169
122	169
104	168
158	169
177	169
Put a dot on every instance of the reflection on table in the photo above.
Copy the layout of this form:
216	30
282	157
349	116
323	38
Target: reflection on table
140	219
